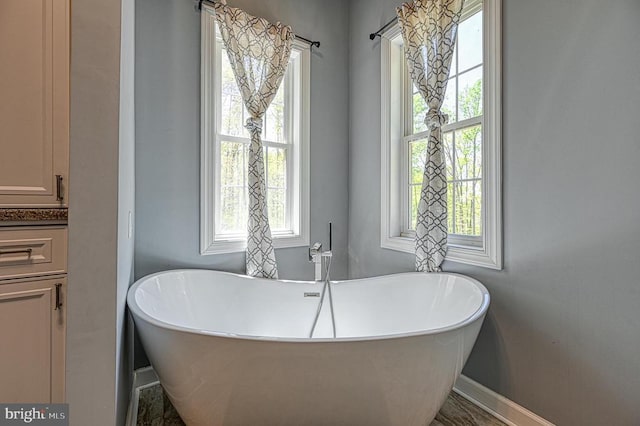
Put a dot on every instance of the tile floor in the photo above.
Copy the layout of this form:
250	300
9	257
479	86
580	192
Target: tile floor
155	409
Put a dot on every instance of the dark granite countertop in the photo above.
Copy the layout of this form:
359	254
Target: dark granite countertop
29	215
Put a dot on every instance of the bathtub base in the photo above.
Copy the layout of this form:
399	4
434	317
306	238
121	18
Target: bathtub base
218	381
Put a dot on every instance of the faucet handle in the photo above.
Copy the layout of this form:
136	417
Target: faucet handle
314	250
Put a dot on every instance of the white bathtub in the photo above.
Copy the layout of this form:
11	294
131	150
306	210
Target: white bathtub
234	350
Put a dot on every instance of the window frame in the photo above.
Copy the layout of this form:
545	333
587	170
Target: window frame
487	250
297	157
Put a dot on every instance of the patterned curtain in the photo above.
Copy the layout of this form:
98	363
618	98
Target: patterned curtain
429	29
259	53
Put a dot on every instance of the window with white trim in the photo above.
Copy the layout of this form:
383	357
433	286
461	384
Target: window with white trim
471	141
225	143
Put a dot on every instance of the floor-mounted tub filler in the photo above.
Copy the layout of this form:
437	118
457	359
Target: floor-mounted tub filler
235	350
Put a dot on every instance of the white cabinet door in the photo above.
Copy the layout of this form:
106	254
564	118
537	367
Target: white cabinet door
34	102
32	335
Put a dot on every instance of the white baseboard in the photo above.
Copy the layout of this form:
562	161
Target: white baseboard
496	404
142	378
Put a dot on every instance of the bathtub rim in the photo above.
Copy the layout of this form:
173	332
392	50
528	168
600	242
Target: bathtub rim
138	312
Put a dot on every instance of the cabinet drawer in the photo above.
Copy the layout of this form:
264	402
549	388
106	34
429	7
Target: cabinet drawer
28	252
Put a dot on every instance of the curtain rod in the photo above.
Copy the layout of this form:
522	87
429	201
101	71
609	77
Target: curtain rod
306	40
378	33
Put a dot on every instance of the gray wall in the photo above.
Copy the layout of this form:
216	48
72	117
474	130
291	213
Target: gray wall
92	366
126	207
562	336
168	133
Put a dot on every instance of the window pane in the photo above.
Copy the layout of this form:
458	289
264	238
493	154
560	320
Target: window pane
276	168
417	157
447	144
232	210
467	199
470	94
470	42
468	152
419	112
232	162
233	195
274	118
276	207
477	207
454	61
231	103
451	213
414	195
232	213
449	102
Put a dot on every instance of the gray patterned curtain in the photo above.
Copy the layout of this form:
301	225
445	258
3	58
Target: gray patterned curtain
429	29
259	53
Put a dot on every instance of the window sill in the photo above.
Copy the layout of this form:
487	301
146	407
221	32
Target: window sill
240	245
476	256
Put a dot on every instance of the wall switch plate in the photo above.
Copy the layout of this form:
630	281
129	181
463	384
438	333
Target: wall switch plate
130	225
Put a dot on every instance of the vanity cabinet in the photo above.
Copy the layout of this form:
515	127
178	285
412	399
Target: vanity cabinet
34	103
32	313
34	176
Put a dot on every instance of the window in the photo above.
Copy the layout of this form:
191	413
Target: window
225	143
471	141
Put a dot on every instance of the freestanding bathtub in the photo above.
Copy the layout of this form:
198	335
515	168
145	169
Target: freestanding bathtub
235	350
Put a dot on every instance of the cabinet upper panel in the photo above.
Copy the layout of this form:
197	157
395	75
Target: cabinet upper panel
34	102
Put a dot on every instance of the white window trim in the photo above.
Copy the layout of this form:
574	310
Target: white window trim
489	255
300	222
